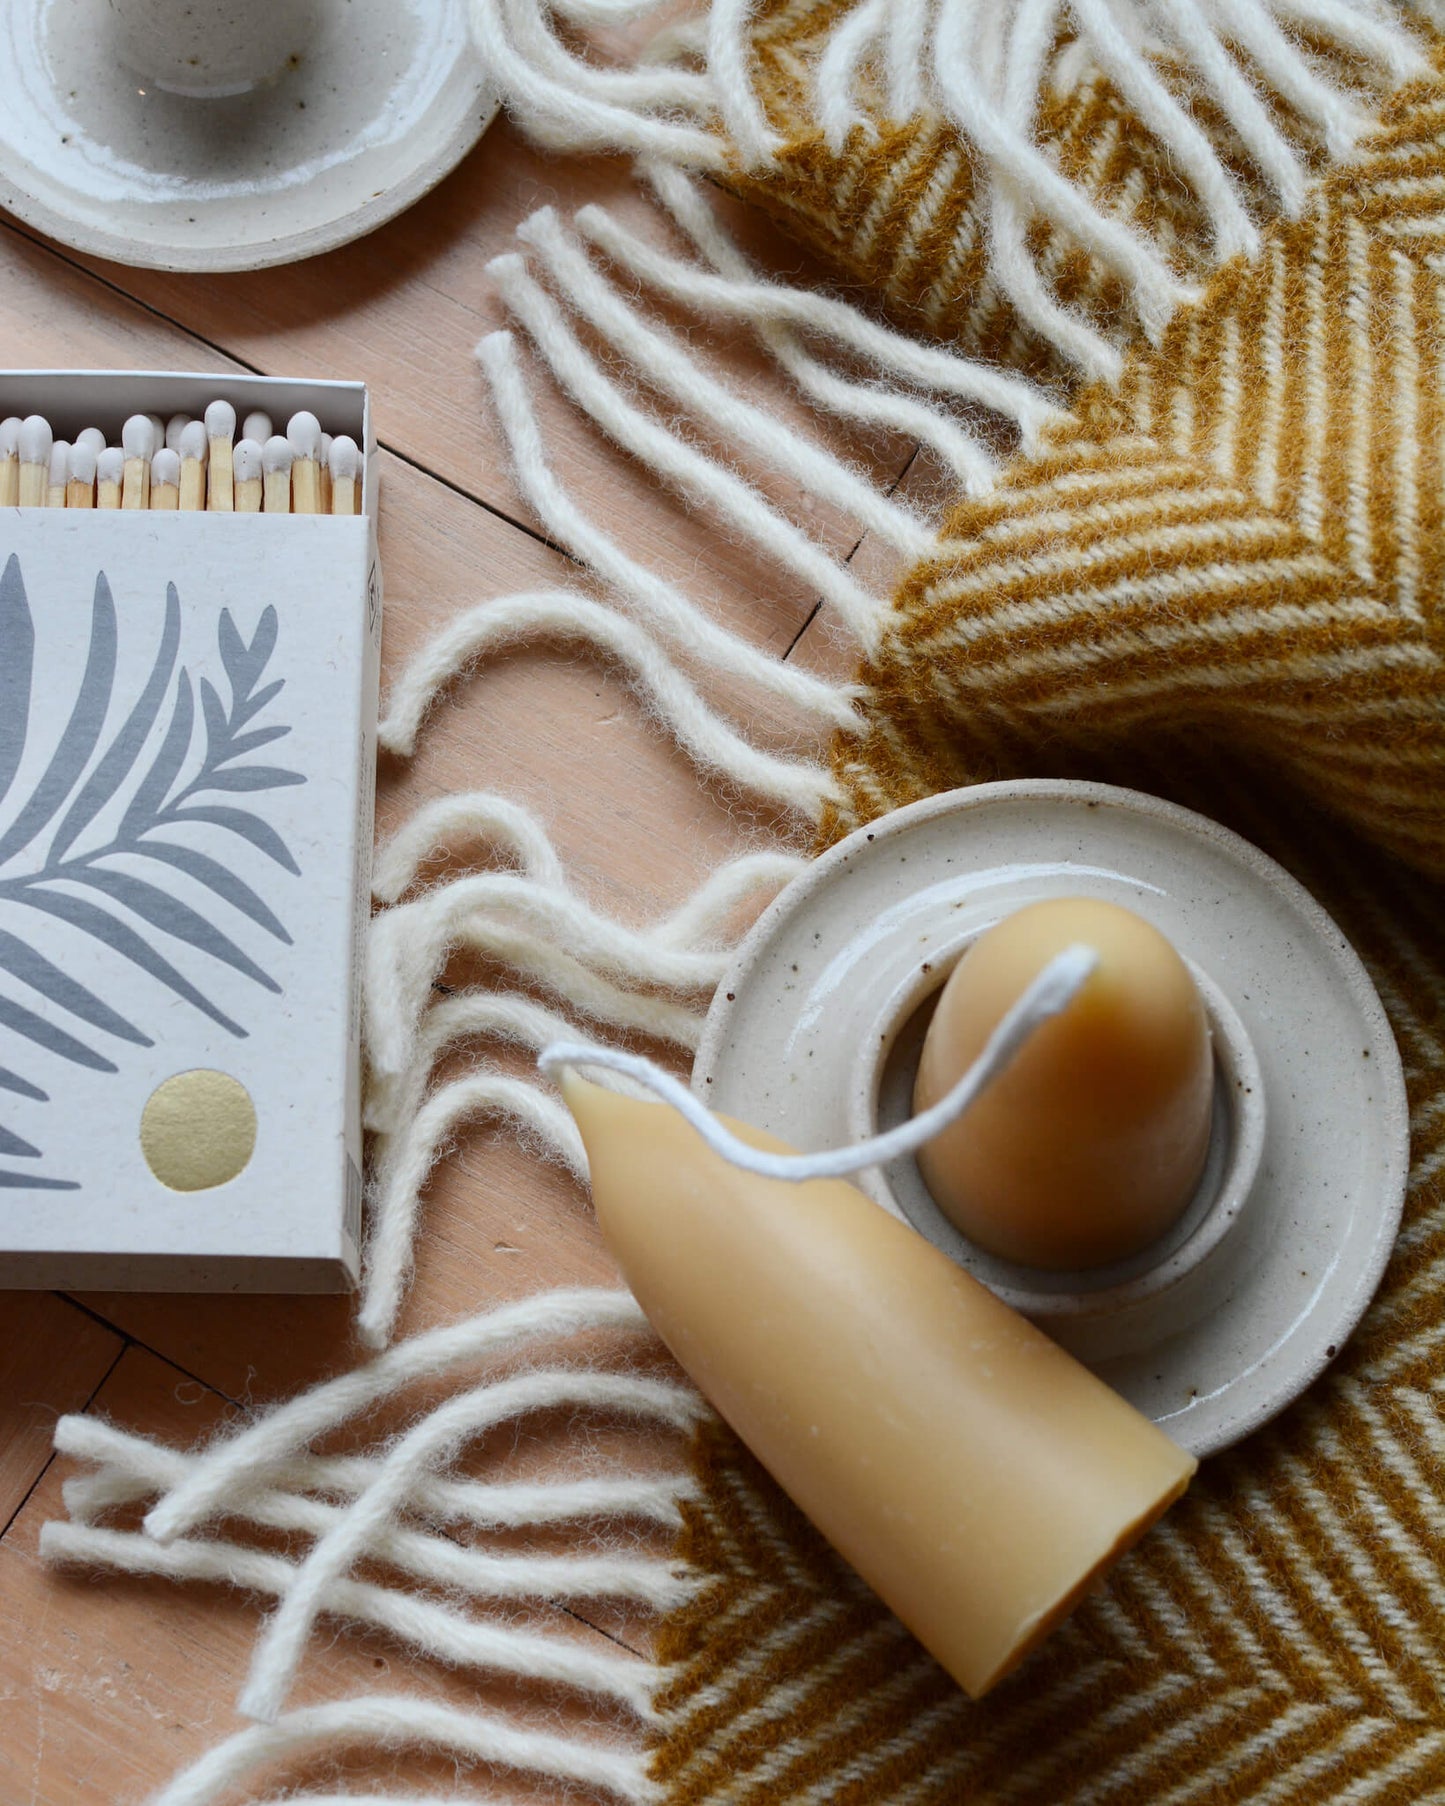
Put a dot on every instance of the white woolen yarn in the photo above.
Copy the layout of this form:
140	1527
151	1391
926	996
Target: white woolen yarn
680	376
246	1457
697	477
686	629
430	1443
569	616
449	821
437	1631
385	1506
389	1722
409	942
130	1467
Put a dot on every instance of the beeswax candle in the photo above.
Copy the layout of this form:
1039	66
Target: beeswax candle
976	1476
1091	1144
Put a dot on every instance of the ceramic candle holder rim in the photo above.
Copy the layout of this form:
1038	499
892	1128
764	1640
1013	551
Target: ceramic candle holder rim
1173	1257
795	1002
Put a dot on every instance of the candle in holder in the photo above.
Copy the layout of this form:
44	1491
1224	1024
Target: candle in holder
1092	1143
978	1477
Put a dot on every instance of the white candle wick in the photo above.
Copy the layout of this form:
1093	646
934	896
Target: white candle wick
1050	993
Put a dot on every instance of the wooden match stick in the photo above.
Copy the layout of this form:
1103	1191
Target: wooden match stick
249	468
277	458
165	480
192	452
10	461
109	476
345	474
35	443
80	475
220	466
138	440
303	434
324	470
59	474
257	426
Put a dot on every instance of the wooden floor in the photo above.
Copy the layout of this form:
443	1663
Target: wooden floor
108	1687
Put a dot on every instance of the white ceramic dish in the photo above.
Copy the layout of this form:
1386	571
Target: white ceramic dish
354	110
812	1032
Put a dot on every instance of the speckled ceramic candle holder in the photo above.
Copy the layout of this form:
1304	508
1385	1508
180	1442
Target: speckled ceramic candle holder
211	135
816	1032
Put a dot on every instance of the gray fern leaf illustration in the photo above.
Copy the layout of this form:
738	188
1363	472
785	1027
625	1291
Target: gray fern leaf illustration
79	884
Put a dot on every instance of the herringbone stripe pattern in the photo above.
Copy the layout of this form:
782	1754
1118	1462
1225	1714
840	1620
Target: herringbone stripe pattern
1222	582
1277	1639
1244	545
898	214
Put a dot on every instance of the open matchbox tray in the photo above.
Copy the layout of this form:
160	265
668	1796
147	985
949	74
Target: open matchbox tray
187	757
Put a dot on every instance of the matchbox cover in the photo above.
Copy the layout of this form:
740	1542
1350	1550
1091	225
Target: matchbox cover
187	744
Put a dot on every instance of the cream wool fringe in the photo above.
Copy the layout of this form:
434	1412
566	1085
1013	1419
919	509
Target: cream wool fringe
387	1508
684	111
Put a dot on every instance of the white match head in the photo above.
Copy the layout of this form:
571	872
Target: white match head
194	442
35	439
93	437
256	426
10	437
345	457
247	461
303	430
277	454
159	427
175	426
166	467
83	461
110	465
138	436
59	462
220	420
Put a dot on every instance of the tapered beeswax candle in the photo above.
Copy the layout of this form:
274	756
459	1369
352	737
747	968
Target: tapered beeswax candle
1092	1142
976	1476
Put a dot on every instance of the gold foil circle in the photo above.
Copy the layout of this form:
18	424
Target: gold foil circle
198	1130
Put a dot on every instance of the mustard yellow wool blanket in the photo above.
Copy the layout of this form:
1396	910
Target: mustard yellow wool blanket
1221	579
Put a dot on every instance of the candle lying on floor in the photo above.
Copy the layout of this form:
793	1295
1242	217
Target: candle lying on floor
976	1476
1092	1142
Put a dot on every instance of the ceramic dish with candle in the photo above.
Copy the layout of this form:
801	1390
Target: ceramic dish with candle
816	1033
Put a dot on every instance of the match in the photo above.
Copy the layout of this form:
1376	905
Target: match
80	474
138	440
277	458
35	443
192	450
59	474
10	461
109	476
221	475
249	468
303	434
345	465
165	480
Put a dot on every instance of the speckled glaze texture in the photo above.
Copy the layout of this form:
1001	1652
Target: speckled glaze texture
815	1035
202	135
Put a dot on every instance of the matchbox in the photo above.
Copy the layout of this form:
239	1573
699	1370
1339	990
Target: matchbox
187	751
